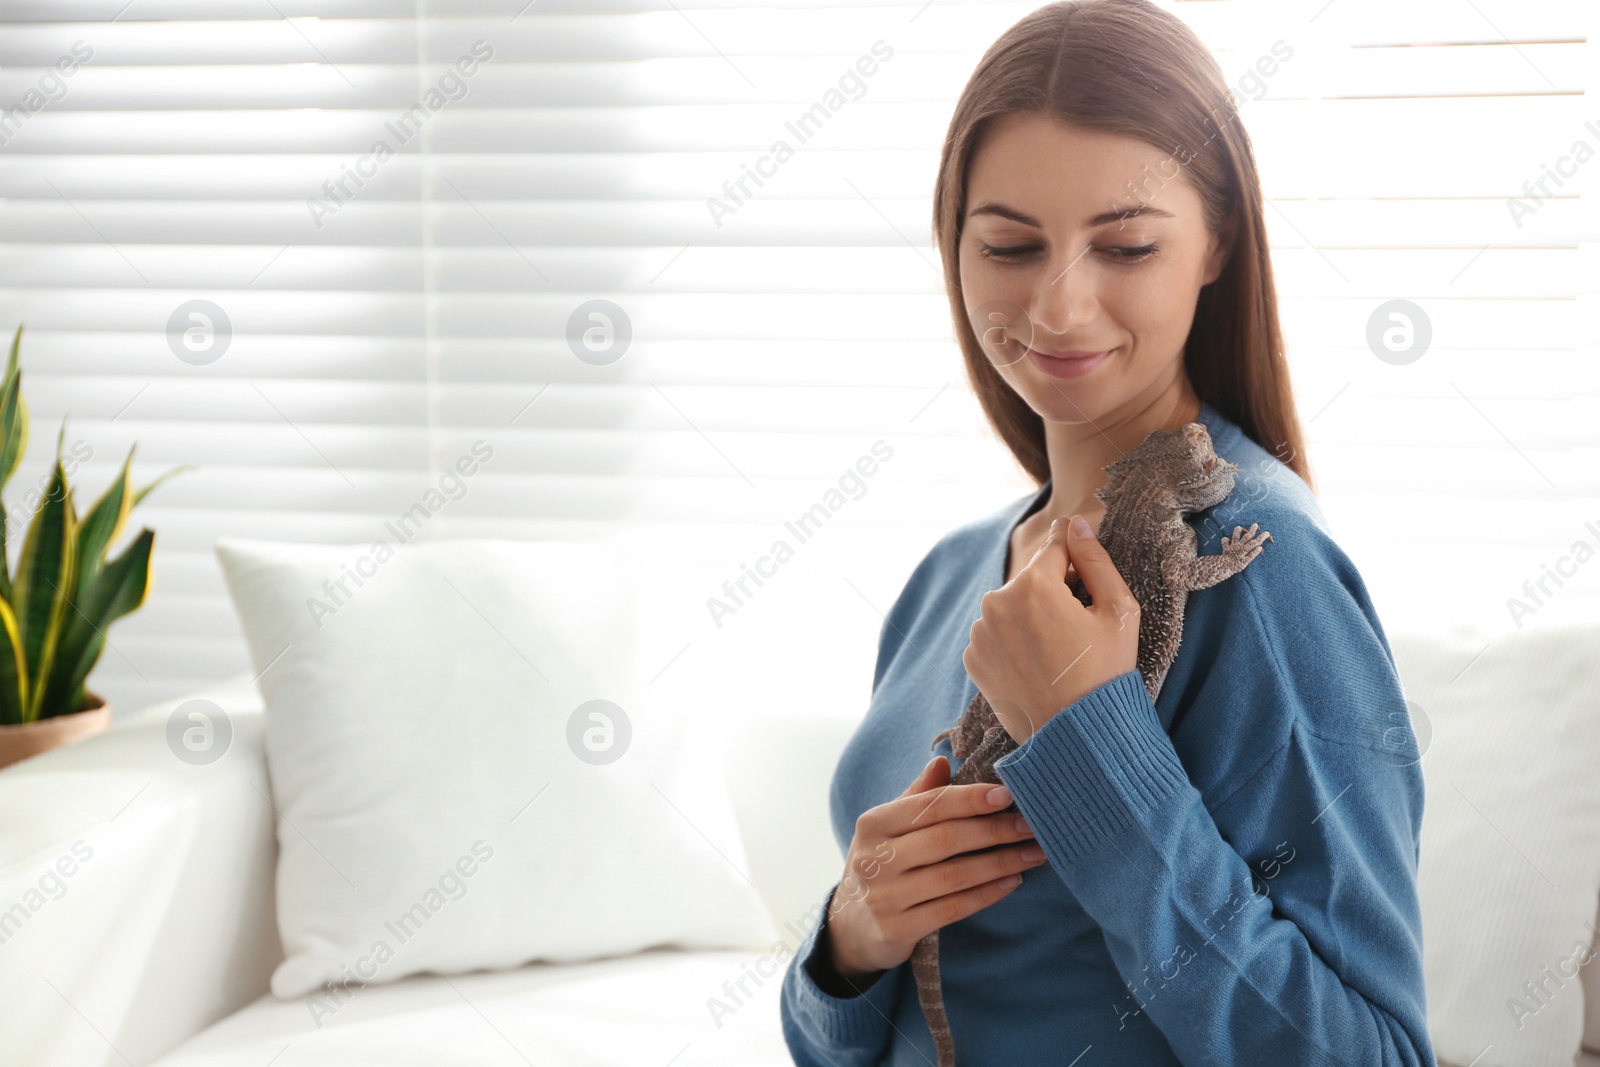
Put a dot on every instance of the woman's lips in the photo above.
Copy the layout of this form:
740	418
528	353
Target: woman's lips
1067	367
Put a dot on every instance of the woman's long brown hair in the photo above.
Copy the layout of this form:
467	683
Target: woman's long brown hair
1127	66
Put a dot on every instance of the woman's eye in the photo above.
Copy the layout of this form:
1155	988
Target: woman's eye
1135	255
992	252
1121	255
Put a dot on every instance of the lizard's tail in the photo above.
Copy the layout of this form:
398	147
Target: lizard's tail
930	994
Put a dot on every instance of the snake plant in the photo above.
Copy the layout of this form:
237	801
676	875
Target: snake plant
55	608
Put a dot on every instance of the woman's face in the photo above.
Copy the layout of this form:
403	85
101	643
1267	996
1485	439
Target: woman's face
1078	240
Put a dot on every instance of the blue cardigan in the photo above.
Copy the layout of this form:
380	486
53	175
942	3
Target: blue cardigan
1231	873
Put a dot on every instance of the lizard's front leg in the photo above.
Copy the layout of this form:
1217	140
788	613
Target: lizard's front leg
1203	572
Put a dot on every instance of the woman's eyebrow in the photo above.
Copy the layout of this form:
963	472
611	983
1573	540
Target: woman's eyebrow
1117	212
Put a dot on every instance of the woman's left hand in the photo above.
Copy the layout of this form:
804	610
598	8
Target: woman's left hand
1036	649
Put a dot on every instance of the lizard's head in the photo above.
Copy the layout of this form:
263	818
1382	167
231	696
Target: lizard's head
1180	466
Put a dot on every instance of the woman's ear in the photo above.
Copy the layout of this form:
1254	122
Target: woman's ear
1222	248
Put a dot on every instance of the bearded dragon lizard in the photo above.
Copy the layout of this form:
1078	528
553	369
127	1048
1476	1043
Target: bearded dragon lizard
1147	494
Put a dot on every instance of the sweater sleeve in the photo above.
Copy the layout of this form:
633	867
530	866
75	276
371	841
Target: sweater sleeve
1310	952
823	1030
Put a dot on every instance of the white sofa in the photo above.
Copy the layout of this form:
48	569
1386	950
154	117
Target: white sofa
159	948
158	945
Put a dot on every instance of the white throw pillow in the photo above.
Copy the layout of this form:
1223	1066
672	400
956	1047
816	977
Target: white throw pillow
1509	874
444	801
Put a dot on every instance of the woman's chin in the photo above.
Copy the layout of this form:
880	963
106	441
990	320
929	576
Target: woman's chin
1073	403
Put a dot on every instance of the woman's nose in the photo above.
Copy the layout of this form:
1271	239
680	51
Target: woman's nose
1064	298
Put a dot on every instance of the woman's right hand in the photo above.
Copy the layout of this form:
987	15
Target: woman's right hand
906	875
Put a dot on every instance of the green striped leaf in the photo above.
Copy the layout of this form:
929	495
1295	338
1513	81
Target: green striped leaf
138	498
13	443
44	577
103	523
13	669
113	592
13	414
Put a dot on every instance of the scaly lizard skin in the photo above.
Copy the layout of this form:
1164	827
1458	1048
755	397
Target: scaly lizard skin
1147	495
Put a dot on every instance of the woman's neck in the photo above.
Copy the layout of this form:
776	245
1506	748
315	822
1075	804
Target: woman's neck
1080	452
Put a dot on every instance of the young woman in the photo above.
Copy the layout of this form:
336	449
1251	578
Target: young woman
1226	875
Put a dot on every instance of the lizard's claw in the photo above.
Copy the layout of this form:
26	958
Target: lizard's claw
1244	542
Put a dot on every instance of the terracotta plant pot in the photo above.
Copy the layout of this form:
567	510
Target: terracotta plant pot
18	741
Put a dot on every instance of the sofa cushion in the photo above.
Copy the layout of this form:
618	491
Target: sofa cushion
1509	875
643	1009
467	768
1591	998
